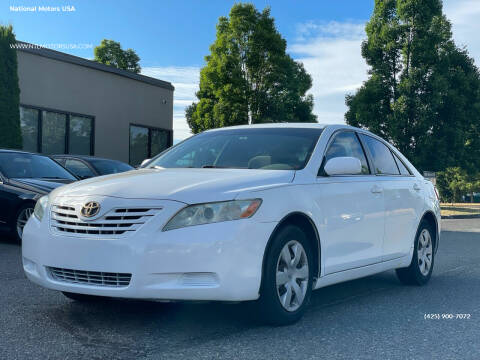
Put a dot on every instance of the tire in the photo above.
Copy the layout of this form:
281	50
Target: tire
423	259
83	297
275	307
21	218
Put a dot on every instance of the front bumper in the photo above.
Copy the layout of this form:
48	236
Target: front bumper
221	261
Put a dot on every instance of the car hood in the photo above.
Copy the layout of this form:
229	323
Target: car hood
185	185
39	185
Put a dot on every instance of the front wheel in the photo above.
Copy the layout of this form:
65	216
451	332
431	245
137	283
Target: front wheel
288	277
421	267
23	214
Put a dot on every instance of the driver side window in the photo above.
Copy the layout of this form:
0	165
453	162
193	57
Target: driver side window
344	144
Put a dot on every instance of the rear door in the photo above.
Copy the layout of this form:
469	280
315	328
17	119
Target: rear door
402	196
353	210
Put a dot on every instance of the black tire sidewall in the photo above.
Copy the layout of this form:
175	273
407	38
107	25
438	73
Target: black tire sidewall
415	268
15	220
272	310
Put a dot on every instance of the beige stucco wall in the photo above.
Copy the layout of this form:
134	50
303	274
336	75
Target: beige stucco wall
115	101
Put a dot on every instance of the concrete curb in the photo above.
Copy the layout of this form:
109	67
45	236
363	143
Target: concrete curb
472	216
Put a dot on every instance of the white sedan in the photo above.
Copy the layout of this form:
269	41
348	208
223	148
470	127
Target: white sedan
264	212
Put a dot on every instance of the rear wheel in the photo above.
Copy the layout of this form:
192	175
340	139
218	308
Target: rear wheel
287	282
83	297
23	214
421	267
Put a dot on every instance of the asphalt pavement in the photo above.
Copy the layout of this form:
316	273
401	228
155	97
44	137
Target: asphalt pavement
371	318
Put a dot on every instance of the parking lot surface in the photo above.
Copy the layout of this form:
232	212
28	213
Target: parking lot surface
374	317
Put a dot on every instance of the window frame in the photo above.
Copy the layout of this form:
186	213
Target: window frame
149	140
321	171
394	155
397	159
67	114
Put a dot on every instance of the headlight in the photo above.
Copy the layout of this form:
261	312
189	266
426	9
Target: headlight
40	207
213	212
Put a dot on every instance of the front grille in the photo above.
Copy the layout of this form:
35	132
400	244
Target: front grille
115	222
94	278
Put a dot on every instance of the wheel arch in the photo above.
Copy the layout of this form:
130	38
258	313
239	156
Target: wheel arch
21	202
430	217
304	222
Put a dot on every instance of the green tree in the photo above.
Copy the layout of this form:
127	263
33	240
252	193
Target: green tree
110	52
248	77
10	133
454	182
423	93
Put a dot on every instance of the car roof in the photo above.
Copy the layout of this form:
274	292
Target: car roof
332	127
82	157
274	126
15	151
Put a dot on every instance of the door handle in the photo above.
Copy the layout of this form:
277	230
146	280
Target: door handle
416	187
376	189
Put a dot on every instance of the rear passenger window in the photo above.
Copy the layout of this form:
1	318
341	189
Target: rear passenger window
403	169
79	168
383	161
347	144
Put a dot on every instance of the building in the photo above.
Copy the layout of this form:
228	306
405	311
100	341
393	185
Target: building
71	105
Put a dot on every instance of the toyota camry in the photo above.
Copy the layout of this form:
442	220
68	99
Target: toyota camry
266	213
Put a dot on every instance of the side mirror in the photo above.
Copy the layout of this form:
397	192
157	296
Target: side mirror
343	166
144	162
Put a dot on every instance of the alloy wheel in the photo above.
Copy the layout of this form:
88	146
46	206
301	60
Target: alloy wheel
424	252
292	275
22	220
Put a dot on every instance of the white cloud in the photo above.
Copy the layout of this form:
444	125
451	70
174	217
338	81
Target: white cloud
330	53
464	15
185	80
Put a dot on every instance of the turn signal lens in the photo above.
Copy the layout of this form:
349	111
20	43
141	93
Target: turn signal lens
251	209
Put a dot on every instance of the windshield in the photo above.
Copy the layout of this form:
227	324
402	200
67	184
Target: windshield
106	167
19	165
268	149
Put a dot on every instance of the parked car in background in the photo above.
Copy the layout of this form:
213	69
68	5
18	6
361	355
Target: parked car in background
260	212
24	178
89	166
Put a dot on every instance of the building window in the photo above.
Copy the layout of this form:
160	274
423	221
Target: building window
80	135
138	144
53	132
146	142
29	126
56	132
159	141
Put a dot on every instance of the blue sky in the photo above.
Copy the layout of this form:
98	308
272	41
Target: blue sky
172	38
